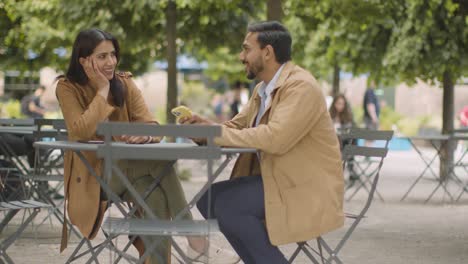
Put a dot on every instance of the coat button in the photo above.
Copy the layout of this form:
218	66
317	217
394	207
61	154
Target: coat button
78	179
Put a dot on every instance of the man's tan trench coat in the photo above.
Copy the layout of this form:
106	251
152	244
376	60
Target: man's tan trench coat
300	157
83	111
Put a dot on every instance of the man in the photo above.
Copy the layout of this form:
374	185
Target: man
292	189
371	108
31	104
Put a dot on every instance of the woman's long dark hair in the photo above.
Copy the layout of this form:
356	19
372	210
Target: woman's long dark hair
346	116
85	43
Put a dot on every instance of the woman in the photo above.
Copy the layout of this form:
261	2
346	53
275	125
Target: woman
92	92
340	112
342	117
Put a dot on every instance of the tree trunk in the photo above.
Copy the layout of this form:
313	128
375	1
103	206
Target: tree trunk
171	20
336	80
446	157
274	10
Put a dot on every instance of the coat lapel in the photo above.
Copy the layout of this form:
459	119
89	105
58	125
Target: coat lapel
256	107
279	84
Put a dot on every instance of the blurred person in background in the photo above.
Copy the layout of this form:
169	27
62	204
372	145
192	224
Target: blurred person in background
342	116
371	108
31	104
218	107
340	112
464	117
235	101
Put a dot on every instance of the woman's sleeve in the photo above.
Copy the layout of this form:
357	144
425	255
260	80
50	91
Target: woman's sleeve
137	108
81	121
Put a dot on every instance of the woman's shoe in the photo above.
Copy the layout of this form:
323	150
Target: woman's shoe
216	256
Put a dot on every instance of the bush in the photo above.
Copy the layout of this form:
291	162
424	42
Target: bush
391	120
197	97
160	115
11	109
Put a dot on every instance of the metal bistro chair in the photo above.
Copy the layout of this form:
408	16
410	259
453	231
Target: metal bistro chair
331	254
11	209
48	166
461	162
20	127
13	166
152	226
360	169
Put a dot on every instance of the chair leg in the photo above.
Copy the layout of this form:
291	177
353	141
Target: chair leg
74	256
296	252
4	255
5	244
319	245
301	246
333	254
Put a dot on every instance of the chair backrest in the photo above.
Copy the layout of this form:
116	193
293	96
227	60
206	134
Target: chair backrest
16	122
458	134
164	151
461	130
353	150
50	128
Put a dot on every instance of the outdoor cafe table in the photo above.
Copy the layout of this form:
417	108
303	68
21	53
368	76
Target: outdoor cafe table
8	150
78	148
33	177
437	143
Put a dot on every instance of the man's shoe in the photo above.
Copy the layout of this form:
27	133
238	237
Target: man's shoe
216	256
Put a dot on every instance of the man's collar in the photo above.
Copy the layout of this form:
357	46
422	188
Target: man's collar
268	88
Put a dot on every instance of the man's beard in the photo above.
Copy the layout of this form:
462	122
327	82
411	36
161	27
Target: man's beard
254	69
251	75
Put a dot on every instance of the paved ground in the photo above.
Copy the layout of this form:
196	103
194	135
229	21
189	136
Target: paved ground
394	232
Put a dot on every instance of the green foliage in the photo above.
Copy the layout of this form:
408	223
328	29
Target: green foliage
225	64
358	115
160	114
195	96
411	126
388	118
430	37
398	40
352	34
140	26
11	109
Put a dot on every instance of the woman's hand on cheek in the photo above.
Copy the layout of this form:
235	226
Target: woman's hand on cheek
95	76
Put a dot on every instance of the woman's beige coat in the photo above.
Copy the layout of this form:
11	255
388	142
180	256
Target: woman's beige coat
83	111
300	157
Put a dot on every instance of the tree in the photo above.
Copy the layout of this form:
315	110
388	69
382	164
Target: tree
274	10
430	42
141	27
334	35
172	89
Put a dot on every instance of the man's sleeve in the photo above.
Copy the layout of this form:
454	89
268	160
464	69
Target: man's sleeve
300	108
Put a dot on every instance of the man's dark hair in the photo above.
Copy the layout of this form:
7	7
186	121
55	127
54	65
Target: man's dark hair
85	43
275	34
